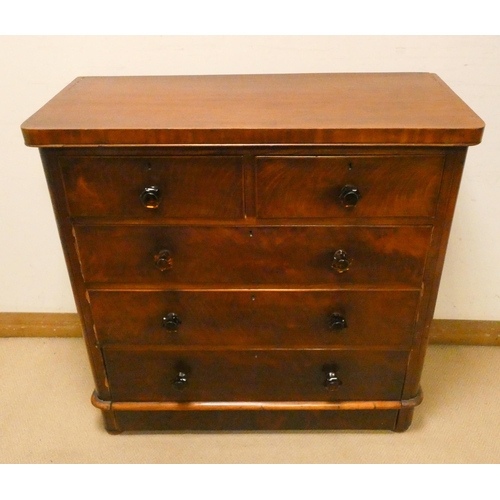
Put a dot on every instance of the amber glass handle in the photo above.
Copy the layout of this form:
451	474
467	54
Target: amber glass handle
349	196
332	381
163	260
341	262
171	322
180	381
150	197
337	322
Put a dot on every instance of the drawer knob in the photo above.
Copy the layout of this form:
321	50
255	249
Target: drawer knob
337	322
332	382
163	260
171	322
349	196
180	382
341	262
150	197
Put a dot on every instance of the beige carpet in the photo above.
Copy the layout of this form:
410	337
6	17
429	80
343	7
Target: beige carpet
46	417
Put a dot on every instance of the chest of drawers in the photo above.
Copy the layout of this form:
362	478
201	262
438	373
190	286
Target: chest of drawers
255	251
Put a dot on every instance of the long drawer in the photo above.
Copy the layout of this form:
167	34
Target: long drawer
348	186
254	375
302	255
151	187
258	318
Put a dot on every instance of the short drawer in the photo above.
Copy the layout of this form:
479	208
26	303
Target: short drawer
255	375
354	186
154	187
332	256
255	318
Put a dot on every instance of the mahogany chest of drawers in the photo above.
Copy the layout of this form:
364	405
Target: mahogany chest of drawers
255	251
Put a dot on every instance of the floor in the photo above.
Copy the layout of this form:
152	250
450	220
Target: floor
46	417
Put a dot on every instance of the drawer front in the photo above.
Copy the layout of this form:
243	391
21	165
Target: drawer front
387	186
244	318
255	375
187	187
383	255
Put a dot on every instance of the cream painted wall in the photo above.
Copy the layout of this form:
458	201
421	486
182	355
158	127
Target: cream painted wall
32	270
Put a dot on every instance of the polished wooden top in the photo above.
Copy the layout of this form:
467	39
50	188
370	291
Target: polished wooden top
349	108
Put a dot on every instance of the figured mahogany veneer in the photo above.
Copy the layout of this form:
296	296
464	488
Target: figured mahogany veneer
255	251
186	186
357	108
275	318
388	186
390	255
253	374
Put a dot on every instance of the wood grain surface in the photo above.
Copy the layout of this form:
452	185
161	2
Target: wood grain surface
387	256
309	187
266	318
189	187
342	108
147	374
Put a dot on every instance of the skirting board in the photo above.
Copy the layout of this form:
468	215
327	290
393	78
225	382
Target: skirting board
443	331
